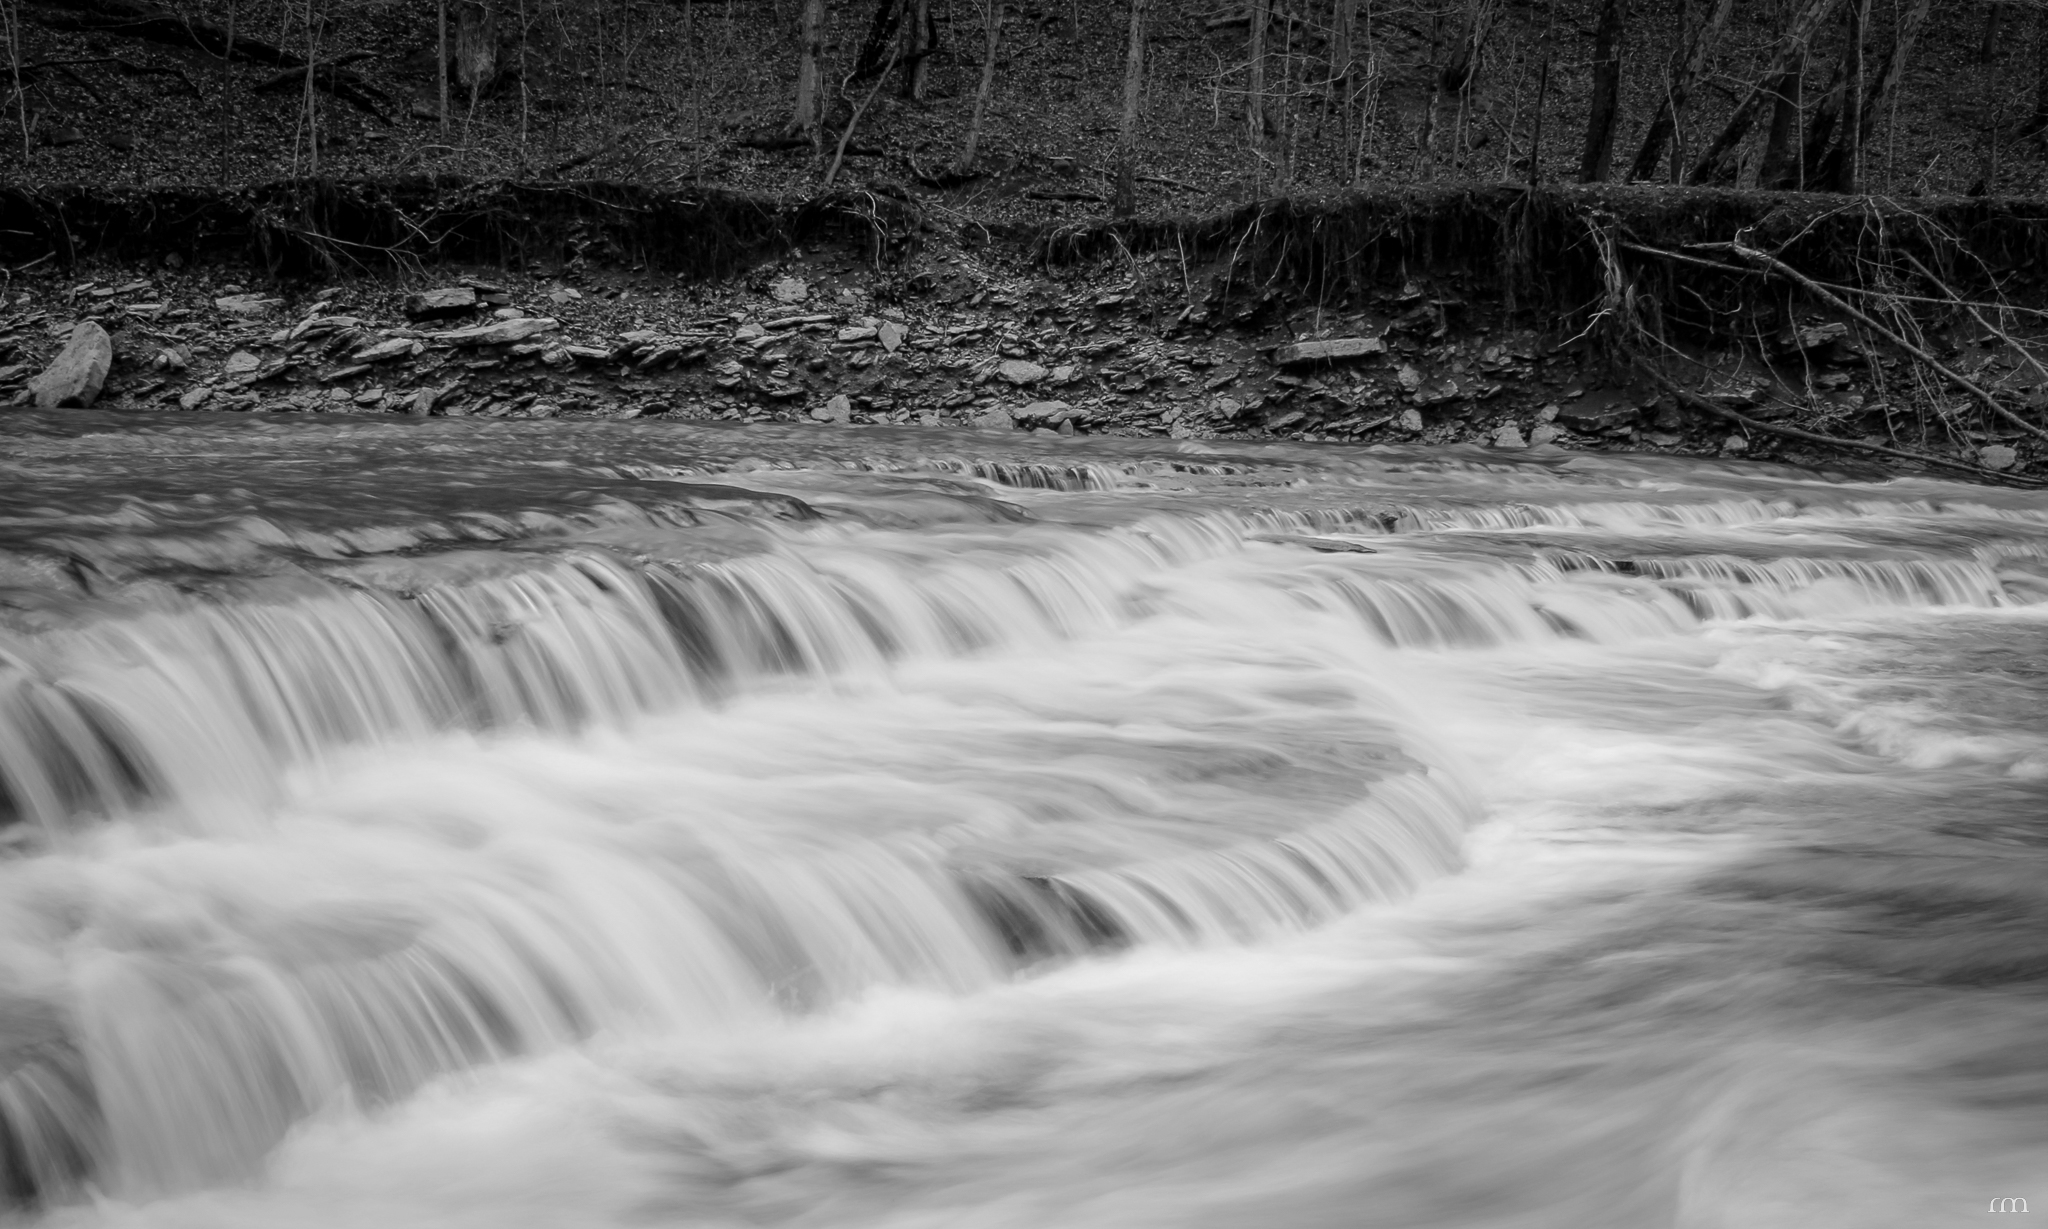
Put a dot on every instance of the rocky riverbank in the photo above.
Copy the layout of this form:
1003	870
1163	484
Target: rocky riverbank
956	340
1408	334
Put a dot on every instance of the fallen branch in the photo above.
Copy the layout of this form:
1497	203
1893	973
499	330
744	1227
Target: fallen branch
839	154
1686	396
1779	267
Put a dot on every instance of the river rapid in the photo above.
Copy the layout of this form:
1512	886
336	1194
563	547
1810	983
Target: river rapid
441	825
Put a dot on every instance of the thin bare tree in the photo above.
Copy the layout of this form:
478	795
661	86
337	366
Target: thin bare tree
1126	201
991	14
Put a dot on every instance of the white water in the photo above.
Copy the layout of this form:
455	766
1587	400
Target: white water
558	826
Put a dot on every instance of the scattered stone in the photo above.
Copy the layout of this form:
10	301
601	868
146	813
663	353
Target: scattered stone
369	396
789	290
1998	456
507	313
246	304
1599	411
1813	336
564	295
501	333
1304	353
194	399
857	333
423	402
438	304
1063	374
241	363
1228	407
1734	444
1048	412
396	347
891	335
1508	435
170	359
1665	439
1408	377
994	418
837	409
1021	372
74	379
1545	434
1409	421
320	326
349	372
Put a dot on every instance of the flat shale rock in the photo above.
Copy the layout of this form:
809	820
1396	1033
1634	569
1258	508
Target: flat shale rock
438	304
1305	353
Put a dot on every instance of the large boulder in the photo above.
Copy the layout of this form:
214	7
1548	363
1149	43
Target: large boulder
74	380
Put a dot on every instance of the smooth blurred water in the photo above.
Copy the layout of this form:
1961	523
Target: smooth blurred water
450	824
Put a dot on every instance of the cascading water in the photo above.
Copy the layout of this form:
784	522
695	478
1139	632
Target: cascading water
611	824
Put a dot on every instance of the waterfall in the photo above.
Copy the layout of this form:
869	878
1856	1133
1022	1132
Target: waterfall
390	808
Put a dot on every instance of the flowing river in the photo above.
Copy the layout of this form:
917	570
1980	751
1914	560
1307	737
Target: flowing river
435	824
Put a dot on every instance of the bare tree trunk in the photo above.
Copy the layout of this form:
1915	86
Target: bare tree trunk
1904	35
1343	17
1993	108
1542	93
805	116
1457	74
917	49
1688	64
1598	157
476	46
1126	202
1712	163
992	31
1848	173
441	60
11	12
1780	168
229	116
1255	84
2037	123
1834	140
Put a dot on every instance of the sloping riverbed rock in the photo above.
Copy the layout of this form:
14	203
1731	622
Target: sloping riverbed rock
502	332
80	370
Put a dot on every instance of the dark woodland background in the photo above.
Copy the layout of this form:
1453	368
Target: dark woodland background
1039	108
